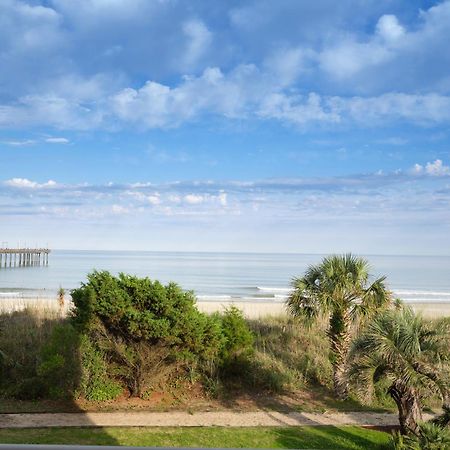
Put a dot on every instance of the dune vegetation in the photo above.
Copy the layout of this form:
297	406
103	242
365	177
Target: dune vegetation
347	345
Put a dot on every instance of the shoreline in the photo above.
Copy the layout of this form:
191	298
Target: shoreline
251	310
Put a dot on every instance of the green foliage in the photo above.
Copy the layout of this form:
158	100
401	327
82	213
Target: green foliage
96	383
146	331
289	355
431	437
136	309
40	356
338	284
443	420
399	345
411	353
236	343
338	289
59	367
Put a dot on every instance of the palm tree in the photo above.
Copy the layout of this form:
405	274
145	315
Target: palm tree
339	289
412	353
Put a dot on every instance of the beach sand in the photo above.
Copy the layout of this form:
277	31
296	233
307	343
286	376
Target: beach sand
252	310
255	310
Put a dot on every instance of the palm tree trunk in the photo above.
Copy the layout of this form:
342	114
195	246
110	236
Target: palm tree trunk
339	334
409	408
340	381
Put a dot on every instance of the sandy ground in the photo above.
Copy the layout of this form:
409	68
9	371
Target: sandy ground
199	419
252	310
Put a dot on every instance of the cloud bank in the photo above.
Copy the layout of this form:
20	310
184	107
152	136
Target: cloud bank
369	76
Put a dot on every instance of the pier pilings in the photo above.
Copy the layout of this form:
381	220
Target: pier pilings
23	257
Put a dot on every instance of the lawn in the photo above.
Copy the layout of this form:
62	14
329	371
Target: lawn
326	437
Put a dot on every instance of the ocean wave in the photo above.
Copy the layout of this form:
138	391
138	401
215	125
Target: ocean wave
215	297
272	289
231	299
422	293
425	300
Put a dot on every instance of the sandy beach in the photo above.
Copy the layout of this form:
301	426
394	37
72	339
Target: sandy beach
252	310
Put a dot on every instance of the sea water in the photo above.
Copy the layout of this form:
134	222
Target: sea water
222	276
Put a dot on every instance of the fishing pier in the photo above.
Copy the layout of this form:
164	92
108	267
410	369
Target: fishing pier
23	257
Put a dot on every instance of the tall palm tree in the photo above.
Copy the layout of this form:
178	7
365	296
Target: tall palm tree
412	353
339	289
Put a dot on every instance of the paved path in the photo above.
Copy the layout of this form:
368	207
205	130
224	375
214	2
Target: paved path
184	419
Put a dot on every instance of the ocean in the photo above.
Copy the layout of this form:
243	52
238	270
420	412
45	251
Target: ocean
222	276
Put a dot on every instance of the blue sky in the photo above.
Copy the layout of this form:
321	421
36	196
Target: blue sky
239	126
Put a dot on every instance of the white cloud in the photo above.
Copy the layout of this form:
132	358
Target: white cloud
89	12
206	204
389	28
417	169
349	57
392	55
119	210
50	110
30	28
28	184
223	200
19	143
297	109
174	198
436	168
413	108
199	41
157	105
154	199
288	63
194	199
283	83
57	140
247	92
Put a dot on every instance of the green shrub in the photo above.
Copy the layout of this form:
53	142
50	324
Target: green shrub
59	367
236	344
238	338
145	330
431	437
95	384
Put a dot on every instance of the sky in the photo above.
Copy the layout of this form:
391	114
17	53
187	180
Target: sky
250	125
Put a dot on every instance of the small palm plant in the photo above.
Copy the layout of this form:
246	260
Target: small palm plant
412	353
61	294
431	437
339	289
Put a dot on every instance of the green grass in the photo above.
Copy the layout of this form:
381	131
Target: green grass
322	437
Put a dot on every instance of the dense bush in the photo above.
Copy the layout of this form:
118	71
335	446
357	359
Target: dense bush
96	383
147	332
237	343
124	333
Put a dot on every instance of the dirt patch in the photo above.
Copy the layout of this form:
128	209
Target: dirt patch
195	399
